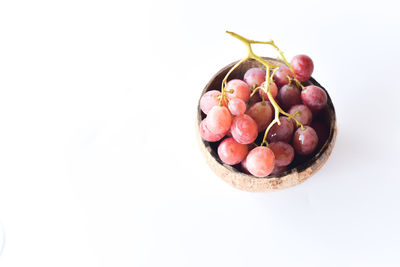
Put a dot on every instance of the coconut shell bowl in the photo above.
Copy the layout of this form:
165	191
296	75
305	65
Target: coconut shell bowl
302	167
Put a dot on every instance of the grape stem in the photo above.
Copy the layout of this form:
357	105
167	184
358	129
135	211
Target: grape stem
268	77
223	86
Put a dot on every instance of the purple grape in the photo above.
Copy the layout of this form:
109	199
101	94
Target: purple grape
281	76
284	153
314	97
304	115
289	95
303	66
305	141
281	132
254	77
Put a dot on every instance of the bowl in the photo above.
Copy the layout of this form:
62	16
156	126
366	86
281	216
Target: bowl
297	174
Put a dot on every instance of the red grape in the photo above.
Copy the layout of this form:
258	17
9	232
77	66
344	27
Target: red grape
254	77
314	97
303	66
207	135
305	141
209	100
281	132
244	129
260	161
236	106
273	89
284	153
304	115
289	95
281	76
218	120
240	89
231	152
262	114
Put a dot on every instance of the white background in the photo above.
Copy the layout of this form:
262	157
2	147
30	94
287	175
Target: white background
99	164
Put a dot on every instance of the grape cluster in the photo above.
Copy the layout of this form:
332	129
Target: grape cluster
238	116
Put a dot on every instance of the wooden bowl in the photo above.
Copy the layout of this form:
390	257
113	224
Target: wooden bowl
294	176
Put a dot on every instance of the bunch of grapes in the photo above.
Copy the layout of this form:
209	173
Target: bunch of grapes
269	105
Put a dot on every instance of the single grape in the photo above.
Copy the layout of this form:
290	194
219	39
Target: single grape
240	89
281	132
231	152
278	170
236	106
305	141
314	97
207	135
209	100
262	113
289	95
284	153
304	115
273	89
244	129
260	161
281	76
254	77
219	120
303	66
322	131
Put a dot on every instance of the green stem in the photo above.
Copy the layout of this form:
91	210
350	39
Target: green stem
269	78
223	86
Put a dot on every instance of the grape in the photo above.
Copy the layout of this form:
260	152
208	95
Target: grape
314	97
218	120
281	132
231	152
304	115
240	89
236	106
322	131
284	153
273	89
207	135
305	141
289	95
281	76
262	114
254	77
209	100
244	129
278	170
303	66
260	161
